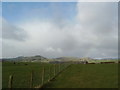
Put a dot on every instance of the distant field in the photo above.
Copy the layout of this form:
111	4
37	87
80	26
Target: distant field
87	76
98	61
75	76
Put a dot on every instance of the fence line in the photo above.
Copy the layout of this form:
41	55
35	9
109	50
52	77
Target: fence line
54	70
10	83
65	67
49	74
31	80
57	69
43	76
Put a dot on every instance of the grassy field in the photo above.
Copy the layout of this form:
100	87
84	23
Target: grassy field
75	76
87	76
21	73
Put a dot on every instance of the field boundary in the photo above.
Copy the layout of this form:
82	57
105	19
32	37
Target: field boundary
42	86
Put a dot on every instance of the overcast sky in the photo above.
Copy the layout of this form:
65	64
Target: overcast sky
56	29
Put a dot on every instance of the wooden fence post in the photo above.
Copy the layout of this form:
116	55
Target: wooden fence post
10	83
43	75
59	67
31	80
49	74
54	70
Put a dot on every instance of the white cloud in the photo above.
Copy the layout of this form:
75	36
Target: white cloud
50	49
12	32
99	23
94	34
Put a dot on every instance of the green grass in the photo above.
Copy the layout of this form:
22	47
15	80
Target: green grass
75	76
87	76
21	73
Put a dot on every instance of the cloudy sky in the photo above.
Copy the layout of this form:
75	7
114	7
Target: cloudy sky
56	29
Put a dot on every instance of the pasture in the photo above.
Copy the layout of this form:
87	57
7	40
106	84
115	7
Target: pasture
75	76
87	76
21	72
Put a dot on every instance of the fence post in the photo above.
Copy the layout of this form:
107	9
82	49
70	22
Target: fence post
49	74
59	67
10	84
43	75
54	70
31	80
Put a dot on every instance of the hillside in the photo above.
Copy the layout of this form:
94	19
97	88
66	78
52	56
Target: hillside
39	58
36	58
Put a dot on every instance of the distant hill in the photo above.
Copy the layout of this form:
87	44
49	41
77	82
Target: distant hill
67	59
36	58
39	58
73	59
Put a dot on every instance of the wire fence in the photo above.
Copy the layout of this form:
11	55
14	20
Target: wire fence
39	79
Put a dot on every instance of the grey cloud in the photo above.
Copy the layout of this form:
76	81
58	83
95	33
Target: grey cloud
12	32
100	20
69	43
94	34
